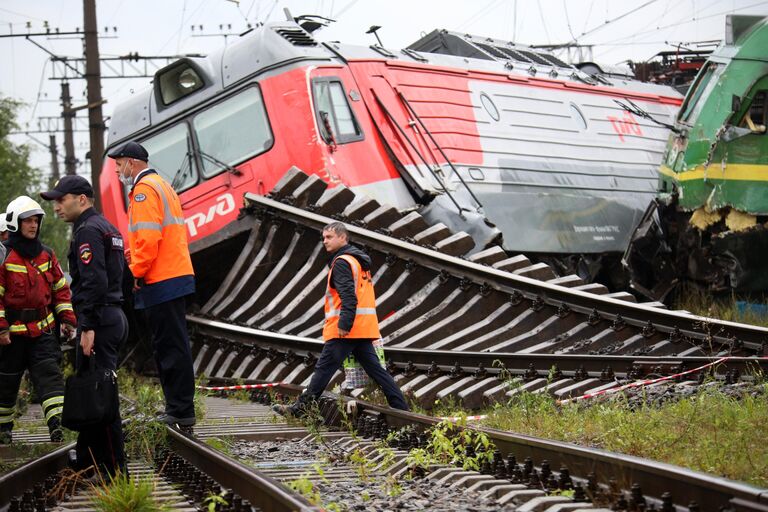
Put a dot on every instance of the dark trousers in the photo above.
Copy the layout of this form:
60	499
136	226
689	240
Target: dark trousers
103	444
335	351
42	357
173	356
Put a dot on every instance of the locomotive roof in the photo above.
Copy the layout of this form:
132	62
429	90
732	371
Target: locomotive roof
746	37
272	47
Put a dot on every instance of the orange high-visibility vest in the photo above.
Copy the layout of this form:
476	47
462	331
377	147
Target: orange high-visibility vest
366	324
157	234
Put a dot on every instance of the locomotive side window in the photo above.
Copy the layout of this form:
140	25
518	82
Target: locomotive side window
758	111
170	154
334	115
232	131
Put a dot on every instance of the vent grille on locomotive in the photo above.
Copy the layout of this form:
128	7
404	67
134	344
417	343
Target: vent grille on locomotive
297	37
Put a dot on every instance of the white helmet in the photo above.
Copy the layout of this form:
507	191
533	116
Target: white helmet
19	209
3	228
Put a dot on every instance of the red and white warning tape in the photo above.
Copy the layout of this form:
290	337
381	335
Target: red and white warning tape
640	383
468	418
240	386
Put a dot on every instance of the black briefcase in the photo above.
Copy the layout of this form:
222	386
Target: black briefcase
90	398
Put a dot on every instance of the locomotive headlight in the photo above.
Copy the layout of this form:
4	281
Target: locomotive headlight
177	81
188	80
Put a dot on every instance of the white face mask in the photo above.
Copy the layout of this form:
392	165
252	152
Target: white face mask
125	180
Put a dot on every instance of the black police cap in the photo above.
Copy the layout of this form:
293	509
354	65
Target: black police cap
70	184
130	149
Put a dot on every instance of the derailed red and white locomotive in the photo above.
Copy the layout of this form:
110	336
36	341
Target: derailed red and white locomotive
486	136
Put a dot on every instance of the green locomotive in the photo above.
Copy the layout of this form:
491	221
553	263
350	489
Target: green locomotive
709	222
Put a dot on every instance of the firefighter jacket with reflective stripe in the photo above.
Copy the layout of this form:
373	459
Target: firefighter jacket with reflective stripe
33	293
366	324
157	235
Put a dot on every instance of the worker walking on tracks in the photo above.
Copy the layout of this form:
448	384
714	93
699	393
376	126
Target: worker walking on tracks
159	259
96	264
351	324
33	295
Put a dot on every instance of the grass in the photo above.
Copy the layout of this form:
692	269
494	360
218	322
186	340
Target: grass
701	302
124	494
144	432
708	431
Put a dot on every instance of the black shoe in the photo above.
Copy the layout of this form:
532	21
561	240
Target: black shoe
6	437
54	428
173	420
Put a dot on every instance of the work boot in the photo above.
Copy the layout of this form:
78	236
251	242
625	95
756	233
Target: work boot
6	435
296	410
54	428
173	420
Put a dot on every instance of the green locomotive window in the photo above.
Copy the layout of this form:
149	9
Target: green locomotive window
170	155
333	110
696	95
758	111
232	131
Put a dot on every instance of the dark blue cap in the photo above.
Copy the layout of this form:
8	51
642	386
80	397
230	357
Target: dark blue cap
69	184
130	149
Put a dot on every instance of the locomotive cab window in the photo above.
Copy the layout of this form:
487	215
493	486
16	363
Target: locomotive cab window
232	131
170	154
335	118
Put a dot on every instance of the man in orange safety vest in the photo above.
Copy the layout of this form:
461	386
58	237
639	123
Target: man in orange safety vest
159	259
351	324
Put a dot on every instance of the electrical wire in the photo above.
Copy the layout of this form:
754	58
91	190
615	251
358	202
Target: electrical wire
568	21
681	22
479	14
39	89
544	22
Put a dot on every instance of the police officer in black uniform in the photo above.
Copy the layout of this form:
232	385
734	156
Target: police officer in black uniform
96	263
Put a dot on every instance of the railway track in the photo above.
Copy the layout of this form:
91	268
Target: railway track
525	473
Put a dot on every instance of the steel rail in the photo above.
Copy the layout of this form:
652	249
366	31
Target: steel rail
675	323
492	362
26	476
710	492
260	490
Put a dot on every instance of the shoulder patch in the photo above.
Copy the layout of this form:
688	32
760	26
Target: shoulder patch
140	197
86	255
117	242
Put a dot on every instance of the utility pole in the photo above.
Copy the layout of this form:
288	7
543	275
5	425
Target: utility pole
54	159
68	114
93	77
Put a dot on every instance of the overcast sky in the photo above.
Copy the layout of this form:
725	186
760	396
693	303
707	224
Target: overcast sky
618	29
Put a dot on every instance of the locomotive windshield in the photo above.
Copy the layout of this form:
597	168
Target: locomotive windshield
227	134
700	91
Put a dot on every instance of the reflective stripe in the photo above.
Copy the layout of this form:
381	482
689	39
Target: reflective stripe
6	419
17	328
7	410
2	313
53	412
54	400
45	266
154	226
168	218
61	283
12	267
359	311
64	306
42	324
2	291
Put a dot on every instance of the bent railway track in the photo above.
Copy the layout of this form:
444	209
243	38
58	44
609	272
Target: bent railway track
434	293
454	322
526	473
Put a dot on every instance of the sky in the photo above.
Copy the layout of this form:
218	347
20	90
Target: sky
618	30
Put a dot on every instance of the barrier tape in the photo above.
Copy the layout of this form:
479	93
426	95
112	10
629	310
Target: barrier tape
240	386
458	418
640	383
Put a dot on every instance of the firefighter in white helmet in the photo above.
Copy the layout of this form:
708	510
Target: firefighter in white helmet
34	295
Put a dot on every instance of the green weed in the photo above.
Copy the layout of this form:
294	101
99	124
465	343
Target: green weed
125	494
